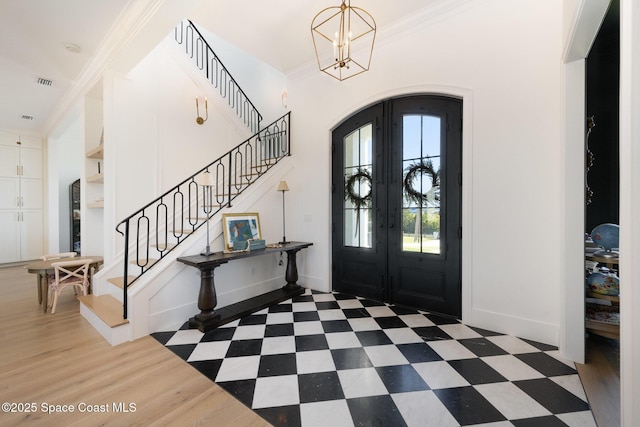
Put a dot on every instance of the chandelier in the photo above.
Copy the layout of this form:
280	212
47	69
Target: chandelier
343	38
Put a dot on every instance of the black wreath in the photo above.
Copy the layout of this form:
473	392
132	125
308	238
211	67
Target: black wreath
350	194
412	172
355	198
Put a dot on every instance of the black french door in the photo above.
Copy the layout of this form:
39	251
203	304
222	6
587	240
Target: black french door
396	203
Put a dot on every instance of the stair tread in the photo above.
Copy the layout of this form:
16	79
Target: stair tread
119	281
106	308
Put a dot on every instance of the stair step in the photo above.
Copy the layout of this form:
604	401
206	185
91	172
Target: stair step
106	308
119	281
148	261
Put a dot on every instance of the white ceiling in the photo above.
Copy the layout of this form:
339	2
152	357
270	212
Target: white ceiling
33	34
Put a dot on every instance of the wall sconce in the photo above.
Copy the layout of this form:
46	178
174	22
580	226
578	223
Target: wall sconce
200	120
283	187
206	182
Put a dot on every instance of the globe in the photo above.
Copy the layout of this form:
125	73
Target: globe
606	236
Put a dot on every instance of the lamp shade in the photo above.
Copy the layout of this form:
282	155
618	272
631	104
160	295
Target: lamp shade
206	179
283	186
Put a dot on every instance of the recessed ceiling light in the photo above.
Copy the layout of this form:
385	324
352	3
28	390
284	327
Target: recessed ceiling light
71	47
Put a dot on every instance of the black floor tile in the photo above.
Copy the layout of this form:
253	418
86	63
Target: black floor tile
254	319
482	347
281	416
208	368
183	351
241	390
375	411
350	358
319	387
368	338
431	333
552	396
244	348
277	364
305	316
401	379
218	334
327	305
549	421
281	308
390	322
418	353
311	342
468	406
354	313
476	371
279	330
336	326
546	364
163	337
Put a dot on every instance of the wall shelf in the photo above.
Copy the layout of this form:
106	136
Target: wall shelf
96	204
96	153
97	178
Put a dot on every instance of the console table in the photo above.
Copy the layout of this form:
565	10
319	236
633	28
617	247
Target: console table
208	318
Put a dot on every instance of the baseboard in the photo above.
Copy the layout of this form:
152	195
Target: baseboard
546	333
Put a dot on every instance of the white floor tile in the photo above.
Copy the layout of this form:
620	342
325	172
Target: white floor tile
248	332
279	318
323	297
361	383
308	328
385	355
403	336
238	368
512	368
336	314
309	362
350	303
423	409
364	324
571	383
209	351
578	419
334	413
459	331
381	311
303	306
187	336
342	340
276	391
416	320
439	375
511	401
512	345
451	350
278	345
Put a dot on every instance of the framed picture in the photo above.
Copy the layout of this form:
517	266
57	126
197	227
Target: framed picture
240	227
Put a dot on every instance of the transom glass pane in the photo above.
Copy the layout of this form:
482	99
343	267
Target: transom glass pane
421	183
358	219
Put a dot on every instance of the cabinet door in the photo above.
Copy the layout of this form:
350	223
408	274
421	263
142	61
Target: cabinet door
31	235
30	163
9	236
30	194
9	161
9	193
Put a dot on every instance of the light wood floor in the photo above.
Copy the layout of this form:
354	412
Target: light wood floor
61	360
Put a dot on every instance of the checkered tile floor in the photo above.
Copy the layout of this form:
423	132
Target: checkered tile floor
327	359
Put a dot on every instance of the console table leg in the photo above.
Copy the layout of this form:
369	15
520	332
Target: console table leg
291	275
207	301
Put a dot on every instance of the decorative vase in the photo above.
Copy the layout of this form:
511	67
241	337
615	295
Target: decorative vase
603	284
606	236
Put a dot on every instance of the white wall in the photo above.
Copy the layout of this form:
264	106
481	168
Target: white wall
65	156
495	52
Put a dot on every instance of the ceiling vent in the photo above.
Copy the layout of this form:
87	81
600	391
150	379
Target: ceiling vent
44	82
25	117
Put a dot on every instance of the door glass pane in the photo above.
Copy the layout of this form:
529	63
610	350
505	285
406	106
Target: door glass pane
358	219
421	136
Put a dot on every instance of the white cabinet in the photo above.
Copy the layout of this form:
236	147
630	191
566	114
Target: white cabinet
21	195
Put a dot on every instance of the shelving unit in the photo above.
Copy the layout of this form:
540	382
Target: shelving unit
605	328
96	153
